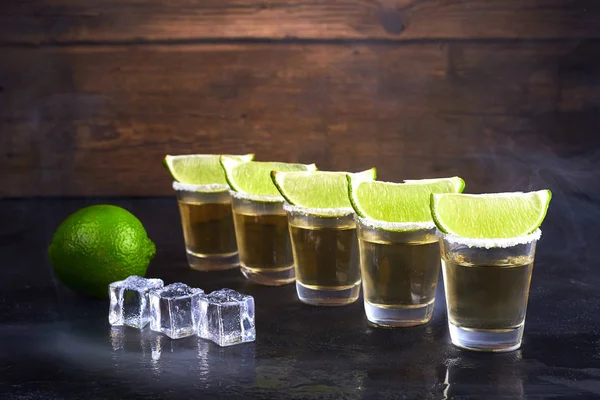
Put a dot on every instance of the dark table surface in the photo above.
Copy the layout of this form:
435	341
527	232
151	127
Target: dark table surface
55	344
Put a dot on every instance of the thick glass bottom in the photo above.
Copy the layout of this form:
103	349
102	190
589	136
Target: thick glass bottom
213	262
275	277
328	296
490	340
398	316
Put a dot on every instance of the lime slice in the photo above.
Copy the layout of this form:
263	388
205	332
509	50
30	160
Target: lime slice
490	216
317	189
199	169
254	177
398	202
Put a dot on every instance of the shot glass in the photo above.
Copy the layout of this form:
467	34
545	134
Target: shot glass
400	271
325	256
207	222
263	239
487	288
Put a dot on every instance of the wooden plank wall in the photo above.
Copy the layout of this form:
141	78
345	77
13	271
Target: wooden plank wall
94	93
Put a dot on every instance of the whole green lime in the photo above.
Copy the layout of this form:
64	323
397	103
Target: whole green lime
98	245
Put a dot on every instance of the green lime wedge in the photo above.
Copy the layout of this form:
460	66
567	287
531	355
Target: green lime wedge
398	202
317	189
254	177
490	216
199	169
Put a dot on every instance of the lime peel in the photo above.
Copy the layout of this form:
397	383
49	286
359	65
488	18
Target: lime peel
491	243
199	169
491	215
318	192
98	245
405	204
254	177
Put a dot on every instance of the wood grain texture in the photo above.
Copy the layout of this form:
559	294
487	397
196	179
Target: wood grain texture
98	120
67	21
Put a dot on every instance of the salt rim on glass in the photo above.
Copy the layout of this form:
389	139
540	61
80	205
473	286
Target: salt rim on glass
502	243
395	226
257	198
319	212
211	188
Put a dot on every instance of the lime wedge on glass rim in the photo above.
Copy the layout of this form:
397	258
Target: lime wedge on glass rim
490	216
254	177
317	189
398	202
199	169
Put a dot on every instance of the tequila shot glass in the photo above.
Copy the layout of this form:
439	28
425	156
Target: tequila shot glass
263	239
207	222
487	288
325	255
400	271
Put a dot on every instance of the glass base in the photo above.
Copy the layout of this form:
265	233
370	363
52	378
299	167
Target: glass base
497	340
319	296
398	317
213	262
267	277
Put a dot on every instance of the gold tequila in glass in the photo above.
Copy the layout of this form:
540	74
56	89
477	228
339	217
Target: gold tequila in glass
487	290
400	272
208	231
263	240
325	256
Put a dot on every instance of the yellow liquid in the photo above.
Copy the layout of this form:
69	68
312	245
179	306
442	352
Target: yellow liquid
400	275
208	229
326	258
487	297
264	241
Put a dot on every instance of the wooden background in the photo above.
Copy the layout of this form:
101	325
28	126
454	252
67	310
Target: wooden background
93	93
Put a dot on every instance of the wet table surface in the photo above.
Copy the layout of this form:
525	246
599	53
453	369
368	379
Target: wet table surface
55	344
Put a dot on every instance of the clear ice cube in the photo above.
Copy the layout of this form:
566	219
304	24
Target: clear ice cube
129	301
175	310
227	317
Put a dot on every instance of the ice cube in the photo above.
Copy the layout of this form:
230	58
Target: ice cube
175	310
129	301
227	317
